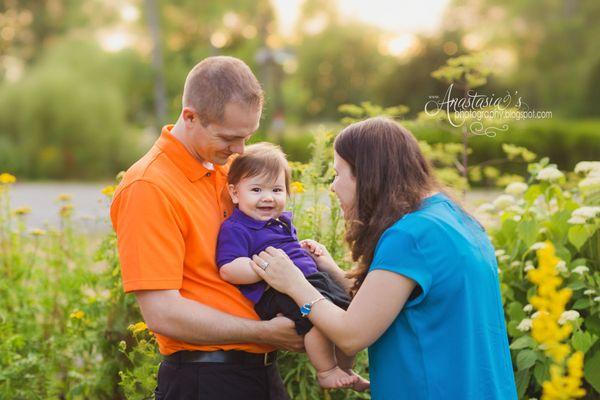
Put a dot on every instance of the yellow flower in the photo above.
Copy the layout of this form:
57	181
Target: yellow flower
64	197
22	210
77	314
297	187
137	328
108	191
7	179
565	377
38	232
66	210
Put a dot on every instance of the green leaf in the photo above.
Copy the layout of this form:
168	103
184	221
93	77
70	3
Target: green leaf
515	311
522	379
578	235
541	372
592	323
577	285
523	342
591	368
527	231
511	327
582	341
581	304
526	359
532	193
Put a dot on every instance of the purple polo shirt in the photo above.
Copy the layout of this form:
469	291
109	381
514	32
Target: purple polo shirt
243	236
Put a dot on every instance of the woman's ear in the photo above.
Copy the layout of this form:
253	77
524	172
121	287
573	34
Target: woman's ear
233	193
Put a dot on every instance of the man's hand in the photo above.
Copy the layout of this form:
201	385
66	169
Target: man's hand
281	333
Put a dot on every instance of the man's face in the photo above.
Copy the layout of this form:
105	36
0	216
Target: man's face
219	140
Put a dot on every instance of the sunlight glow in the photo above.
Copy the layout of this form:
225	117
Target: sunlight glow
115	40
399	17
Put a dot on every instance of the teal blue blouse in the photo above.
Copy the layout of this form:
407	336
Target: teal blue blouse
450	341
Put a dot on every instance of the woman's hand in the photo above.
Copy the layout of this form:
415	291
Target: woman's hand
276	268
320	254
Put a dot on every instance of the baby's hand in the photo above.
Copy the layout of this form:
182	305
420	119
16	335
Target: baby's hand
314	248
319	253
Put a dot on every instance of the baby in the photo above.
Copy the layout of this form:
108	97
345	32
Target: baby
259	185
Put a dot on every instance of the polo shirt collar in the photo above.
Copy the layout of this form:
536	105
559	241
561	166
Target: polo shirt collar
249	222
178	154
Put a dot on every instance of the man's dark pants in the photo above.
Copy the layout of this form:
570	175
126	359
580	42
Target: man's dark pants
219	381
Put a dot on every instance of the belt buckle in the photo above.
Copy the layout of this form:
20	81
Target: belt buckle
266	361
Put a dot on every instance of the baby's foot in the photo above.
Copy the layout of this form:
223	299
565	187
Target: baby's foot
336	378
361	384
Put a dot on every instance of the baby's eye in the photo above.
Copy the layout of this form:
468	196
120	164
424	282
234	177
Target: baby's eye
278	190
255	190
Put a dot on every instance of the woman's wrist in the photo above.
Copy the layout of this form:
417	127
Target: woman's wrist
304	293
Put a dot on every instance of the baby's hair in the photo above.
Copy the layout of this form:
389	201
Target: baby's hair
260	159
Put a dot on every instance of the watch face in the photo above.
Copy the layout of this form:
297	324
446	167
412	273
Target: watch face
305	309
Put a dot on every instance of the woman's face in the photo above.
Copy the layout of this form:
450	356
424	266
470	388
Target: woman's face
344	184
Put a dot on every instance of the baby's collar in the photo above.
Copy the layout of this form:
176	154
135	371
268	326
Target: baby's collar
238	215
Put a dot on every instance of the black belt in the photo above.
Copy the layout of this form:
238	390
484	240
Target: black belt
221	356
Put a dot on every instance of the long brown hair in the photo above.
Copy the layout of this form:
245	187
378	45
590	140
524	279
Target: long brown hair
392	177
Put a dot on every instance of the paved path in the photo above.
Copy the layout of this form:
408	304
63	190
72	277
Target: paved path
91	206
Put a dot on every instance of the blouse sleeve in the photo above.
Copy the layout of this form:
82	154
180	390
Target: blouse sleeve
398	252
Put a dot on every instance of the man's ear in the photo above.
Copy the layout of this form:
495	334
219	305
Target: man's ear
233	193
189	116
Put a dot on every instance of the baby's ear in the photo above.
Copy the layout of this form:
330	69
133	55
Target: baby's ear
233	193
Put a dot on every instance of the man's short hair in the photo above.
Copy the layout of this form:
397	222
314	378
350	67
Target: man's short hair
216	81
260	159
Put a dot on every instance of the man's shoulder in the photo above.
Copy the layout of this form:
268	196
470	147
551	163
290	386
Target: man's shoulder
154	168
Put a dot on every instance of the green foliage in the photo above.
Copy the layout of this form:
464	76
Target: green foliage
71	316
565	141
336	65
63	123
62	308
467	71
551	208
366	109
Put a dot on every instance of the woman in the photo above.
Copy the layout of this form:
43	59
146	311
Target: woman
426	293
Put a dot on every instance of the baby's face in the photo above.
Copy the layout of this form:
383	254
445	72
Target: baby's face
259	197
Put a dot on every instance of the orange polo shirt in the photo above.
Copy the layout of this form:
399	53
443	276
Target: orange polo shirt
167	212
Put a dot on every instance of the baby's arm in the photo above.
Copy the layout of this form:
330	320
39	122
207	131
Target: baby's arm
239	272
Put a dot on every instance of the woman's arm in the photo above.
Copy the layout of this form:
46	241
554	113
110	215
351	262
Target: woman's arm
338	275
239	272
377	303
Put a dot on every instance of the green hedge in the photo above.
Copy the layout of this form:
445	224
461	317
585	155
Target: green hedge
566	142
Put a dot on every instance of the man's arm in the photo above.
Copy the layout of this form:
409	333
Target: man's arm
168	313
239	272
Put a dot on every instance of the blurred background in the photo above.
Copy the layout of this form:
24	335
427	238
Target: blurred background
86	84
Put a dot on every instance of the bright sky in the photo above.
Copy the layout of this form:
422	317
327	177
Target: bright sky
403	19
400	17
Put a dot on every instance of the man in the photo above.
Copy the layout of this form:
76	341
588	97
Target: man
167	212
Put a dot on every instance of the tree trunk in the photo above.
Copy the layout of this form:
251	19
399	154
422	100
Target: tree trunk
160	96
